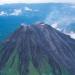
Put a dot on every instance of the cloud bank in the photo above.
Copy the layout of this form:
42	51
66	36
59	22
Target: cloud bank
17	12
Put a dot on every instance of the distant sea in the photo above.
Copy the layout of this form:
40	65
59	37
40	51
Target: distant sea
13	15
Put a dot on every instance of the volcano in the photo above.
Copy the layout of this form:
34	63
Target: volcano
37	49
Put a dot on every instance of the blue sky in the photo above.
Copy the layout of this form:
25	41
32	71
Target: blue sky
36	1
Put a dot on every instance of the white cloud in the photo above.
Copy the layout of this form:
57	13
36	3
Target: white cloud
36	1
71	34
55	25
2	13
28	9
16	12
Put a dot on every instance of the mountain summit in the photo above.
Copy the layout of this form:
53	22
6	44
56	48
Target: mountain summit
37	49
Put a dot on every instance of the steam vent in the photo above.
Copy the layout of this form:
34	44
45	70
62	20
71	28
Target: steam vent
37	49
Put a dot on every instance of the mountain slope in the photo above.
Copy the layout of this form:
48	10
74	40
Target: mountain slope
37	49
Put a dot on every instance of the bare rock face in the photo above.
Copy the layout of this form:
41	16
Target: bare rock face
37	50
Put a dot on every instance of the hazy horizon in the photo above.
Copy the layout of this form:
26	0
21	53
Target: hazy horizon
36	1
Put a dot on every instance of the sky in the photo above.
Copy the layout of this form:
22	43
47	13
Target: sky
36	1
